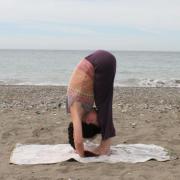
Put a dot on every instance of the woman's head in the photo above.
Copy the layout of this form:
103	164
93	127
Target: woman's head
91	117
89	130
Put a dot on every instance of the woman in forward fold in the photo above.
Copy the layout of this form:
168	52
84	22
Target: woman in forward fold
91	83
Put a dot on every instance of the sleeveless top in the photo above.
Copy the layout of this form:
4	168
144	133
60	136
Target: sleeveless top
80	87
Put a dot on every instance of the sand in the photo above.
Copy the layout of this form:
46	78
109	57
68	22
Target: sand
36	114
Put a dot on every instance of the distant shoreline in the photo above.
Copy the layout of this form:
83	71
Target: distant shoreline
113	50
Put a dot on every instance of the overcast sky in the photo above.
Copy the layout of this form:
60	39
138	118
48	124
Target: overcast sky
90	24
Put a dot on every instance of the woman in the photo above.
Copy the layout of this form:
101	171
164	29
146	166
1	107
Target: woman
92	83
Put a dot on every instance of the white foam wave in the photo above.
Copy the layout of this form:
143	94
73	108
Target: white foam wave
148	83
159	83
121	83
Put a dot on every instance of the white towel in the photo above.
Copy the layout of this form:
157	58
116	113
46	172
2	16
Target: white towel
49	154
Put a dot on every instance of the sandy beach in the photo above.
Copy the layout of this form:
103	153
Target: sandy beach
36	114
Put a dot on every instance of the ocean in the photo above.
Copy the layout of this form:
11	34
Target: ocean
54	67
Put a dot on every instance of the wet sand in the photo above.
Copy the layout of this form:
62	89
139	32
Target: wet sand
36	114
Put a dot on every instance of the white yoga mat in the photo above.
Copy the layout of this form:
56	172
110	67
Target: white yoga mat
49	154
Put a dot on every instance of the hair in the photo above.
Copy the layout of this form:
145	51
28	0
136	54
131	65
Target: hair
88	131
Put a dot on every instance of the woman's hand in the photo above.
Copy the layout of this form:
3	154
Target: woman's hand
87	153
90	154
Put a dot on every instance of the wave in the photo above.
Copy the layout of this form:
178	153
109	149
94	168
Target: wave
149	83
120	83
160	83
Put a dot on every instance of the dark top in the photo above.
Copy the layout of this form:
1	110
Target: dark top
104	64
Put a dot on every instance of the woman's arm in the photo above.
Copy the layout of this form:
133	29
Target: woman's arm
76	114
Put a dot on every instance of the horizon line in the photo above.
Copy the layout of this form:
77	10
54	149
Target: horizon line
42	49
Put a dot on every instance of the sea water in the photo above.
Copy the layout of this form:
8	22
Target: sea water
54	67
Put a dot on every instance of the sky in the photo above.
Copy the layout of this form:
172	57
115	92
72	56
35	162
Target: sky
90	24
